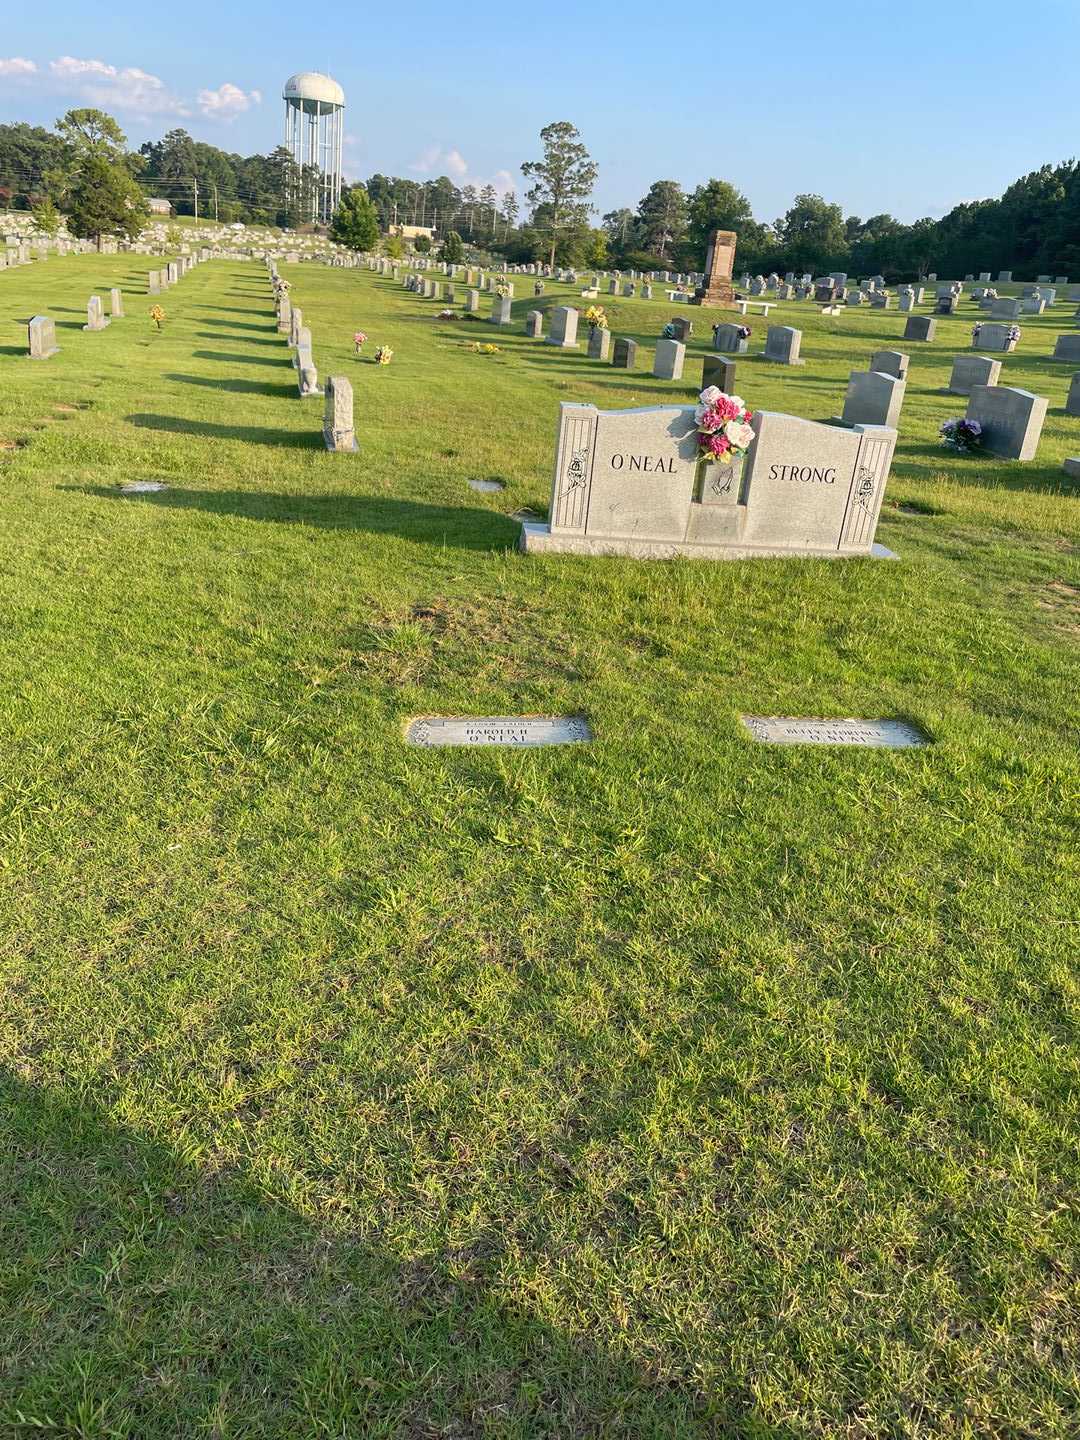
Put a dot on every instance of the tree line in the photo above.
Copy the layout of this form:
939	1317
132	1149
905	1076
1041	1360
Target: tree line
1034	227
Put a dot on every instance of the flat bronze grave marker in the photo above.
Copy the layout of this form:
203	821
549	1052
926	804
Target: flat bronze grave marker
521	730
816	730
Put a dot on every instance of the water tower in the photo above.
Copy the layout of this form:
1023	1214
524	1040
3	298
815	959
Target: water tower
314	129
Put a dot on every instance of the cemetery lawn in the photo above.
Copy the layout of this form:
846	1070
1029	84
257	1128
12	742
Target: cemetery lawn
672	1085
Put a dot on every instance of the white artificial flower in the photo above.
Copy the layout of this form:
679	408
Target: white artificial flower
739	433
710	395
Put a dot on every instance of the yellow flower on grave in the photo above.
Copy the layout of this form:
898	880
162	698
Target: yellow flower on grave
157	314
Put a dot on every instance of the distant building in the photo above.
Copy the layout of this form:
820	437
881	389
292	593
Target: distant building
412	232
160	207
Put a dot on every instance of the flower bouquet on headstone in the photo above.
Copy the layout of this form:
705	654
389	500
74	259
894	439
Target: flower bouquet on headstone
359	339
723	421
744	332
383	355
961	434
596	317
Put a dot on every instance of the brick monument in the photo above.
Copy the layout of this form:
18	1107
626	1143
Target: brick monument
719	267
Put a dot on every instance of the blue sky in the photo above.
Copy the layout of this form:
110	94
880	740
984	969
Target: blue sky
910	108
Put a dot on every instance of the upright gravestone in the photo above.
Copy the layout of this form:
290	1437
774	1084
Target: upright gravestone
715	370
599	343
624	356
782	344
296	325
971	370
990	336
631	482
873	398
500	310
564	328
730	340
1011	420
116	304
154	282
338	432
920	327
472	301
682	329
891	362
1072	401
534	324
41	334
1067	347
669	358
95	317
1007	308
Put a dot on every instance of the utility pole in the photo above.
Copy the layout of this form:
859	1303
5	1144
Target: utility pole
214	183
195	189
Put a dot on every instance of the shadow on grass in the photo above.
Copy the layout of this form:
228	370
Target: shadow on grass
228	358
250	434
279	341
169	1299
236	387
239	324
464	527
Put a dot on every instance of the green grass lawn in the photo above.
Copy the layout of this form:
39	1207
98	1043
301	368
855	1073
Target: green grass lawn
671	1085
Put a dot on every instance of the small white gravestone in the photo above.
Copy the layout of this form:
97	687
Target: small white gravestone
519	730
815	730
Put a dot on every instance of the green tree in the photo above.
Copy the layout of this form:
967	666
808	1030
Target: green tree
662	217
453	249
91	134
356	221
511	209
812	233
103	199
564	181
488	198
717	205
395	247
422	245
46	217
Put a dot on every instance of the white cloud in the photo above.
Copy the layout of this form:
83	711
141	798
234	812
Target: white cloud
120	89
439	160
227	101
456	163
17	68
427	160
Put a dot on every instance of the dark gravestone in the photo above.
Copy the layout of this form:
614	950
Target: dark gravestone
715	370
920	327
625	355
